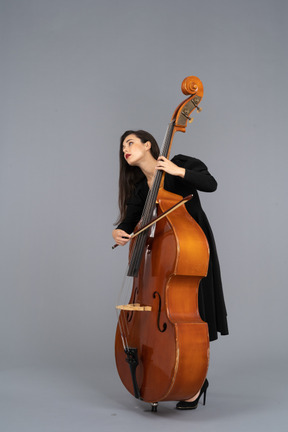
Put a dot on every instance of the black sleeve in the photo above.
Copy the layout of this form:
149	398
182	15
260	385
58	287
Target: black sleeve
134	209
196	173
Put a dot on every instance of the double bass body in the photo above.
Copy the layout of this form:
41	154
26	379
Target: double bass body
172	341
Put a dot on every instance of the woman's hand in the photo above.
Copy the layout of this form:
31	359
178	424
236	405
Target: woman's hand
120	237
166	165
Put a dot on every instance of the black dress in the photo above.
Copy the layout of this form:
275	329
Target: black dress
197	177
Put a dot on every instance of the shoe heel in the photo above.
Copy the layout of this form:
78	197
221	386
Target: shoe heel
204	396
204	390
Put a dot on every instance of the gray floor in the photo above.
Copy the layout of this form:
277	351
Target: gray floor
41	400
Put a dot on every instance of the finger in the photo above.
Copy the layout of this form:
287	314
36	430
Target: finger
123	234
123	242
160	163
124	239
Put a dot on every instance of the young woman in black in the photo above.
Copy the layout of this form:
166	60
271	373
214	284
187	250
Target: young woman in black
139	160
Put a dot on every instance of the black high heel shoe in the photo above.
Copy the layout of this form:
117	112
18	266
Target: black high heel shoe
184	405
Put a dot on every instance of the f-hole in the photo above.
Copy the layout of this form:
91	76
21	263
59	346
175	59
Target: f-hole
159	312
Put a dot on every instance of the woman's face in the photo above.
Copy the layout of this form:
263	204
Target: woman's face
134	150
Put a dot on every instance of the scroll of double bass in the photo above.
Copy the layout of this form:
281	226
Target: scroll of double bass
161	343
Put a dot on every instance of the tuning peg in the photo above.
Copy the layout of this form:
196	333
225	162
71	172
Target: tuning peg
199	109
187	116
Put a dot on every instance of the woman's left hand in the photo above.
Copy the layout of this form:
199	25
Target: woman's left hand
169	167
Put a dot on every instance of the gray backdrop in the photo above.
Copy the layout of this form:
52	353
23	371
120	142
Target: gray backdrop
75	76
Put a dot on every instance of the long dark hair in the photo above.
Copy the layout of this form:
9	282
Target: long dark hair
129	176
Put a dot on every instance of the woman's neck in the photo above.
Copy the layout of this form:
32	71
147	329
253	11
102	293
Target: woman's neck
147	166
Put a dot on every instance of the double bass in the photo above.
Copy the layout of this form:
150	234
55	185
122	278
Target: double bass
161	342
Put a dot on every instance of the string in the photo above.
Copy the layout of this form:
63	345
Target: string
139	244
149	207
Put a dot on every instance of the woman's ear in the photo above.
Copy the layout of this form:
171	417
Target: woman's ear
148	145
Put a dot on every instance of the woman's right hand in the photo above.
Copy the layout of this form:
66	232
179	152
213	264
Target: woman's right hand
120	237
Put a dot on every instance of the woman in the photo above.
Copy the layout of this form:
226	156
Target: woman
139	160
